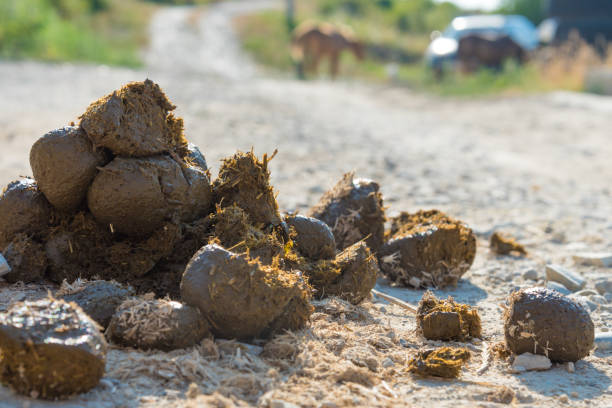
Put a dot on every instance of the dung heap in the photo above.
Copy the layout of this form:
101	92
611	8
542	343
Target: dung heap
446	319
122	200
426	249
50	349
112	197
542	321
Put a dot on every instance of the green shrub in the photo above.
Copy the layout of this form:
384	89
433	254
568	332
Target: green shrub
72	30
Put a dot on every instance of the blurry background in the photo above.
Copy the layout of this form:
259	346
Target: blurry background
570	46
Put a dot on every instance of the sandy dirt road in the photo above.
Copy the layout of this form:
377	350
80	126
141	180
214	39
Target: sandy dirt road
537	166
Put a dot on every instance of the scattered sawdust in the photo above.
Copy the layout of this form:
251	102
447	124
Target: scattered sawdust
503	395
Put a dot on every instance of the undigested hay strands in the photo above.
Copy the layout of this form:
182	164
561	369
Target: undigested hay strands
241	298
354	210
50	349
23	208
64	163
503	245
542	321
350	276
234	230
445	362
134	121
148	323
244	180
427	249
446	319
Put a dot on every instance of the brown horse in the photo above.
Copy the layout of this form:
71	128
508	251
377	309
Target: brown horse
313	42
476	51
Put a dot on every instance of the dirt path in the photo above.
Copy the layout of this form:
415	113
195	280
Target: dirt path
537	166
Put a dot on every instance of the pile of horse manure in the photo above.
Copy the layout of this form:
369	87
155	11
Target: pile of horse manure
162	324
99	299
443	362
122	202
119	196
542	321
50	349
354	210
503	245
427	249
313	238
240	297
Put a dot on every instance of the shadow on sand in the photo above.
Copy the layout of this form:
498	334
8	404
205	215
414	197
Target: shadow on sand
464	292
586	383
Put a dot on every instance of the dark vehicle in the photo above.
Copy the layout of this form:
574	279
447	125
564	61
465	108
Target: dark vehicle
591	19
442	51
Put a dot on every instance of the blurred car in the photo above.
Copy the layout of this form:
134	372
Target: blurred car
442	50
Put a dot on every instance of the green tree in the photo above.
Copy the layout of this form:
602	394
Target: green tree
534	10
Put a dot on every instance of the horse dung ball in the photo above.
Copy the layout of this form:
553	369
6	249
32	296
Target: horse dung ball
136	196
134	121
162	324
447	319
314	239
241	298
64	163
354	210
350	276
27	259
427	248
542	321
23	208
99	299
50	349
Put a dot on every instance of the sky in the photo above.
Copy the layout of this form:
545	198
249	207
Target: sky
476	4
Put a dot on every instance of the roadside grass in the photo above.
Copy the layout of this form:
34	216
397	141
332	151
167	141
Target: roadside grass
40	29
